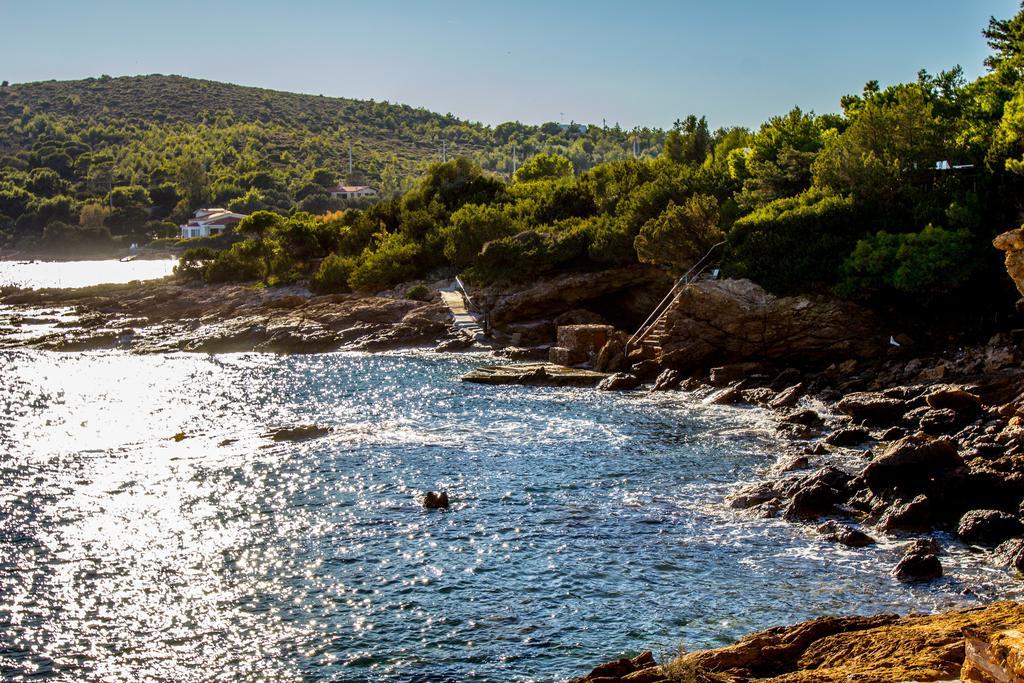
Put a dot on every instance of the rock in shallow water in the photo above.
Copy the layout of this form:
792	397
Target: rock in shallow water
920	563
619	381
299	433
534	374
844	534
435	501
988	527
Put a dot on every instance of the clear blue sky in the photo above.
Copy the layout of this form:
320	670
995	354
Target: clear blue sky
635	63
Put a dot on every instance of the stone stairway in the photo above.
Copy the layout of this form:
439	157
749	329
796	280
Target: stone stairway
652	343
462	319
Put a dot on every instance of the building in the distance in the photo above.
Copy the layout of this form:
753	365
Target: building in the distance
352	192
209	222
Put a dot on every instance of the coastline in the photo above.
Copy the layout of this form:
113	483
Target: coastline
953	415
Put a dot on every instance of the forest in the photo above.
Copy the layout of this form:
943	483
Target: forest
107	160
893	201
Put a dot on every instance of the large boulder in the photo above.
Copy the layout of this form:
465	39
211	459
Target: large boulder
874	408
988	527
911	464
580	343
920	563
1012	242
732	321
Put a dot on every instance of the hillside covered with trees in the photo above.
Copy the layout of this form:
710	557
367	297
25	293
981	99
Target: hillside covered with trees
135	155
894	202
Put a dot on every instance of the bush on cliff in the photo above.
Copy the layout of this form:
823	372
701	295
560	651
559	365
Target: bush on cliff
192	263
919	265
681	235
393	261
531	254
795	244
242	262
471	227
333	275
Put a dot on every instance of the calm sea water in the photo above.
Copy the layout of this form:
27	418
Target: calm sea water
583	524
39	274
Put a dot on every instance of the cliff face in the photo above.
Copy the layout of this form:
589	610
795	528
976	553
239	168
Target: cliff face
1012	242
731	321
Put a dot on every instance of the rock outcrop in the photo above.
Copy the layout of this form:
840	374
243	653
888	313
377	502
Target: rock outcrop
578	344
534	374
731	321
620	295
1012	242
879	648
169	316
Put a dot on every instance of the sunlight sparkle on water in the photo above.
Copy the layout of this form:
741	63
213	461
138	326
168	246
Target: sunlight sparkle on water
582	524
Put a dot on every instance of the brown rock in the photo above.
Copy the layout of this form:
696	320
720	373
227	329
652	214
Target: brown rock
611	357
910	463
734	321
993	658
631	292
559	355
1012	242
920	563
435	501
668	380
915	515
845	534
847	437
872	407
788	397
988	527
843	649
954	398
1011	553
618	382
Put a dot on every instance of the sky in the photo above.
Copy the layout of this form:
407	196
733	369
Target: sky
637	62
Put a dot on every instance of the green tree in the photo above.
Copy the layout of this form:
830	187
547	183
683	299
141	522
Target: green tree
260	226
778	162
673	148
471	228
543	167
193	181
677	238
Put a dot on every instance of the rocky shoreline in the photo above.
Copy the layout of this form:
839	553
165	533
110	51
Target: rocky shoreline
979	645
167	315
875	438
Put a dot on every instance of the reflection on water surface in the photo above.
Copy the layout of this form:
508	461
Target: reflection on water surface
583	524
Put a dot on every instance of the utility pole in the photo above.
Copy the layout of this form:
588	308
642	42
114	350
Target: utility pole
515	162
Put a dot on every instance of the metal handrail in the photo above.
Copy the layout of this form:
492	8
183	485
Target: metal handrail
465	294
655	315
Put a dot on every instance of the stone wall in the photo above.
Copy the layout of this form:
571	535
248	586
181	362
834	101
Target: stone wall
579	344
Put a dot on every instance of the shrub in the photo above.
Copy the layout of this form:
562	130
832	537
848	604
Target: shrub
242	262
471	228
193	262
419	293
543	167
795	244
921	265
610	242
393	261
681	234
333	274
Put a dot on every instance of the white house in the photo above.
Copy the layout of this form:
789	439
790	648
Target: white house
209	222
352	191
